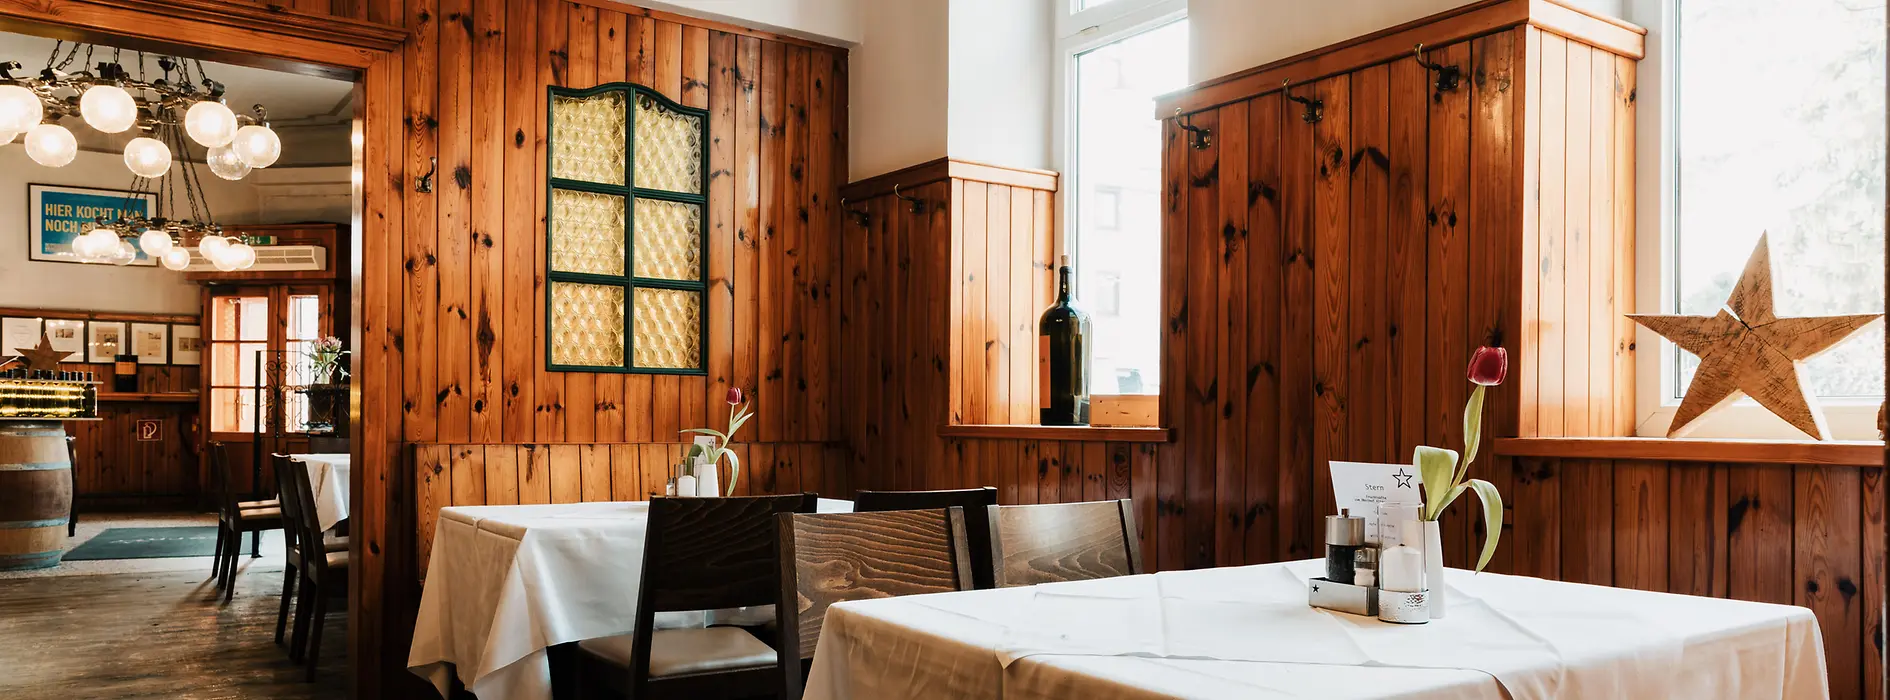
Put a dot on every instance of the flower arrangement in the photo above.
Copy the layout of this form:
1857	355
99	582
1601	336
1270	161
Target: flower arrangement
738	413
1444	475
327	354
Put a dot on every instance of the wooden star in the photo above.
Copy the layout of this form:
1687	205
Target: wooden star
1747	349
42	356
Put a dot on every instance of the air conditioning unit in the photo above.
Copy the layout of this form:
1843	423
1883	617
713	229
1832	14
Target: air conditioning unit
271	258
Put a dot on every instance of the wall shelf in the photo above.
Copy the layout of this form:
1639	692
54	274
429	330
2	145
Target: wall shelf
1862	453
143	397
1087	433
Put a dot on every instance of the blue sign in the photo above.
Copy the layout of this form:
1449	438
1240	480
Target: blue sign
60	214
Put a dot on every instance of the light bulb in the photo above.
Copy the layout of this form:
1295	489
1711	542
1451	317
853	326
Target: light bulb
210	123
7	137
176	259
257	146
82	247
122	254
242	255
96	244
50	145
20	109
212	247
225	163
108	108
155	243
147	157
224	261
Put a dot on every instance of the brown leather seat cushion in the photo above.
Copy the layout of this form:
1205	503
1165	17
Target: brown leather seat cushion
253	505
261	514
687	651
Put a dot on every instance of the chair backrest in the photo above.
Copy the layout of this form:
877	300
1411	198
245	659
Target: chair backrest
291	504
973	501
220	487
300	522
711	553
1064	542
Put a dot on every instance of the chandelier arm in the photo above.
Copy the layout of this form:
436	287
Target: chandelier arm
54	58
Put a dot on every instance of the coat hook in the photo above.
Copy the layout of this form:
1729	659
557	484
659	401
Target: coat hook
1315	108
918	205
859	216
1198	138
424	183
1448	77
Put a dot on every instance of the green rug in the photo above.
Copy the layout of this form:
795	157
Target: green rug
149	543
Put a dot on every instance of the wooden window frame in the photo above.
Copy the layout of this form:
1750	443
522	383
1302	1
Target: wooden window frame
275	339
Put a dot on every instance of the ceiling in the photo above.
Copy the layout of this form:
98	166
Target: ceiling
311	114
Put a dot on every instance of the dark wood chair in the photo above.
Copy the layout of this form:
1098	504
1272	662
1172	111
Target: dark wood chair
699	554
72	511
323	574
836	557
235	518
1064	542
977	523
292	541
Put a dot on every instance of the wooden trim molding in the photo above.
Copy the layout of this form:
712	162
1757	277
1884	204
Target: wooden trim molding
943	168
1839	453
253	35
1058	432
1467	22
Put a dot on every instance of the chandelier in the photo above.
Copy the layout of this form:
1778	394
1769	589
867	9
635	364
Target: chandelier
166	234
110	99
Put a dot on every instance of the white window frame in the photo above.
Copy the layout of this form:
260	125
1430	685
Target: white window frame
1078	33
1656	224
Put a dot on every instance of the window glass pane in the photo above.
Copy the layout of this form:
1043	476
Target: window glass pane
1086	4
299	363
232	410
229	314
223	365
587	138
586	232
669	240
1787	140
1118	205
305	317
246	363
669	148
254	321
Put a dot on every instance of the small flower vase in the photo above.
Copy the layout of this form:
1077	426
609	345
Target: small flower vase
324	374
1434	569
707	481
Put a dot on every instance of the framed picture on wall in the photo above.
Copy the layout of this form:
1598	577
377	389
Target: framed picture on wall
151	342
18	335
103	339
56	214
186	345
67	336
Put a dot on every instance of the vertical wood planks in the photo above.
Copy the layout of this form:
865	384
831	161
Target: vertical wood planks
1295	462
1826	566
1406	328
1493	212
1199	389
487	234
1259	390
420	273
1448	332
769	395
1331	257
1230	321
1759	533
521	139
1367	298
550	386
1641	526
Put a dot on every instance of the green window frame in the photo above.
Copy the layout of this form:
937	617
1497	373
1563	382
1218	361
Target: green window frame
673	300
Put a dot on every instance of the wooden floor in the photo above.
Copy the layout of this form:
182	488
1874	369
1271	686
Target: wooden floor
154	636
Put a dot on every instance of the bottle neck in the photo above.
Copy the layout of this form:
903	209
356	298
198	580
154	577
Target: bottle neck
1063	285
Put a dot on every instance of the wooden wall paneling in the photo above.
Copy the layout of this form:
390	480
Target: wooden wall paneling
565	468
1070	465
1641	525
997	305
693	91
381	516
1535	504
1042	288
1021	333
1029	468
1759	533
521	137
1298	159
1117	474
1049	472
1601	241
1200	367
1409	102
486	235
1447	295
1331	239
1697	527
747	193
1496	84
434	490
609	398
1551	393
1527	368
666	61
1096	472
502	483
421	273
1259	390
581	389
534	481
1827	520
935	365
453	197
626	476
957	306
467	465
1368	297
821	245
639	390
720	316
769	396
1577	418
553	69
1872	582
1587	502
1623	99
1231	318
976	228
794	261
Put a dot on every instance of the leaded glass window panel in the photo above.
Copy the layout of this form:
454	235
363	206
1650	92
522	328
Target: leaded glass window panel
625	220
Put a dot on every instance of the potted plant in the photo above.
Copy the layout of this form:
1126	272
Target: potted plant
708	462
1444	477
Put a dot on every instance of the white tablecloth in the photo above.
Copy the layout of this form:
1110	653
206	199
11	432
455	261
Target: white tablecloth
506	582
328	478
1247	633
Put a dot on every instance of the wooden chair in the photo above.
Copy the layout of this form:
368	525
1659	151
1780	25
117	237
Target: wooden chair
699	554
72	511
323	574
836	557
292	541
234	519
973	501
1064	542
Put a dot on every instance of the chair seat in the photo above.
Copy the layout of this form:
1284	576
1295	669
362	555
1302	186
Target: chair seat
260	514
687	651
253	505
338	560
338	544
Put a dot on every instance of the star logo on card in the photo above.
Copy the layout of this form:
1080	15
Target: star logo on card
1404	479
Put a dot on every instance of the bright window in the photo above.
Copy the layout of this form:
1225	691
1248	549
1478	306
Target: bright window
239	329
1114	205
1783	136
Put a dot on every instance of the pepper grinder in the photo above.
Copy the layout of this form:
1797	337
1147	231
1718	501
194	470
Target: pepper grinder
1345	533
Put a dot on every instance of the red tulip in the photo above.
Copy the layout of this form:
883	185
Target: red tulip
1488	366
734	396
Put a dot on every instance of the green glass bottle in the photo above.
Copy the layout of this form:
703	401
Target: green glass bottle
1063	358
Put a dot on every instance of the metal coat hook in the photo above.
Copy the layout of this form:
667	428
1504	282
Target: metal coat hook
1448	77
918	205
859	216
1199	139
424	183
1315	108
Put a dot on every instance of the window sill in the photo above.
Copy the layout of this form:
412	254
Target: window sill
1059	432
1859	453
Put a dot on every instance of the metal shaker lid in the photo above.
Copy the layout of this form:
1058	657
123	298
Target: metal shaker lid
1345	529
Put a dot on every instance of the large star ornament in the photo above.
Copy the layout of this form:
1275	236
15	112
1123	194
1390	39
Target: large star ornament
42	356
1747	349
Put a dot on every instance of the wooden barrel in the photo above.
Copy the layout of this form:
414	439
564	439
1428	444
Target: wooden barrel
35	494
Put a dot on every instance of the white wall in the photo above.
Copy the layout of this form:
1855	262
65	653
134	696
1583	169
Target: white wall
51	285
829	21
1001	65
897	86
1228	36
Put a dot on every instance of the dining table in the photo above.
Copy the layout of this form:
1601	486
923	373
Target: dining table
328	479
506	583
1248	632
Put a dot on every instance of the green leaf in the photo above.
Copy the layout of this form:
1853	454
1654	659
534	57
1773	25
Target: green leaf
1472	430
704	431
1492	518
1437	466
734	472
